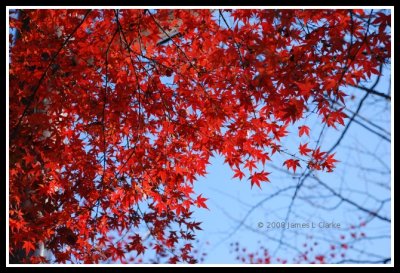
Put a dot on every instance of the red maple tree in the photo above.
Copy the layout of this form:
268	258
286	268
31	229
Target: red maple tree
114	113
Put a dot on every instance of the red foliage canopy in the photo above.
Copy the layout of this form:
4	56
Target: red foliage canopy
114	113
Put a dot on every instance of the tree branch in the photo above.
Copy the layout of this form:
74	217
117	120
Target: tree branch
372	91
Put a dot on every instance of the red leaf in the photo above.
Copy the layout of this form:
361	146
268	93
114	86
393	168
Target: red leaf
304	150
305	88
292	163
330	162
200	202
320	258
318	155
250	164
28	246
258	177
238	173
158	248
304	130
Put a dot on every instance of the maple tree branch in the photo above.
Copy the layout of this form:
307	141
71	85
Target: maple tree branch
355	113
184	54
133	67
150	230
103	123
258	204
352	58
361	117
351	33
386	138
298	186
307	31
236	44
363	150
372	91
32	96
166	40
166	110
344	199
175	44
128	47
352	261
372	131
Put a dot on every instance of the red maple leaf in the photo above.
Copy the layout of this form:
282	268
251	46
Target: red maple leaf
304	150
330	162
335	117
304	130
28	246
258	177
318	155
200	202
250	164
238	173
292	163
305	88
